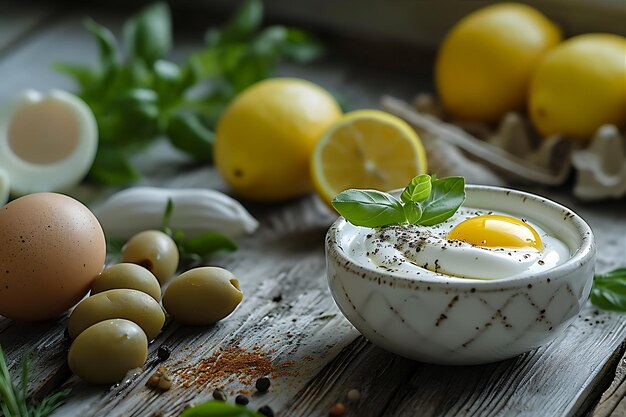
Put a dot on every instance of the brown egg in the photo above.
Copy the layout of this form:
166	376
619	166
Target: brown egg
51	249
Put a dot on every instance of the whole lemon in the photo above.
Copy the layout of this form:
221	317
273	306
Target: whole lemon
265	137
484	65
579	86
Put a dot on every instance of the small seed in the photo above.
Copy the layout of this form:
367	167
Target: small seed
165	383
266	411
354	395
220	395
164	352
337	410
263	384
153	381
242	400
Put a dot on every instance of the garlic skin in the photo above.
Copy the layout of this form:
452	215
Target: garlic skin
4	187
48	141
195	211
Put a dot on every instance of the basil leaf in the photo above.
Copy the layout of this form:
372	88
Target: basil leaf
148	36
446	196
187	133
412	212
369	208
418	189
84	76
247	20
112	167
215	408
301	47
208	243
109	51
609	290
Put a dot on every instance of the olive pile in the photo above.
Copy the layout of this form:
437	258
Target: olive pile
111	328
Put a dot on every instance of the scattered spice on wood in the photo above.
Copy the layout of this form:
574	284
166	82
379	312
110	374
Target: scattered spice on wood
246	365
241	399
267	411
337	410
262	384
220	395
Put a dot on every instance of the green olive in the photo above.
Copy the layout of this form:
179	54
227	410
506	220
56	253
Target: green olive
202	296
127	275
106	351
127	304
155	251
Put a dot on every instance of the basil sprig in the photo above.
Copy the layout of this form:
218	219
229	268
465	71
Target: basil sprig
425	201
609	290
138	95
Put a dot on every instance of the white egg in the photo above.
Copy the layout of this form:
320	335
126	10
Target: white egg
48	142
412	249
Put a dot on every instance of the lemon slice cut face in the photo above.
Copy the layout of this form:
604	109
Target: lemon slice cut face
367	149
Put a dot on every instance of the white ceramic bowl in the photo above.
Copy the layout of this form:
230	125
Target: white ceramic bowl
465	322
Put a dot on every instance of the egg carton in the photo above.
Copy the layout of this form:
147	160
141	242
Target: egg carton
511	151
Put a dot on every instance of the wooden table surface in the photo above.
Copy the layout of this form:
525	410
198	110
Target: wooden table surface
287	313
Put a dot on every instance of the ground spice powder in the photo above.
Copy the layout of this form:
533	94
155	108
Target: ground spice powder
230	363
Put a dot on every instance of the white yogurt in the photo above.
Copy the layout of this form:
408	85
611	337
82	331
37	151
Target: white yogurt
411	250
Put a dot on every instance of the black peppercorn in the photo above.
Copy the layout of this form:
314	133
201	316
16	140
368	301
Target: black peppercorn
266	411
164	352
263	384
242	400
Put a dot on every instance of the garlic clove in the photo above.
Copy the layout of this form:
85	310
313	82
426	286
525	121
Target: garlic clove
48	141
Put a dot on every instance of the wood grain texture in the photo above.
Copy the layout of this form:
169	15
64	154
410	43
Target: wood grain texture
613	401
325	357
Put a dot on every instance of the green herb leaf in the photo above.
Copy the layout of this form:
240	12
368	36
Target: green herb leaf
215	408
609	290
369	208
418	189
109	50
301	47
208	243
148	36
412	212
14	401
446	196
190	135
112	167
247	20
82	75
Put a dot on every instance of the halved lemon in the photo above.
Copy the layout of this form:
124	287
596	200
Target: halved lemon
367	149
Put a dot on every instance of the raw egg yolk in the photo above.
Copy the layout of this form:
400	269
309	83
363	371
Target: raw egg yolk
494	230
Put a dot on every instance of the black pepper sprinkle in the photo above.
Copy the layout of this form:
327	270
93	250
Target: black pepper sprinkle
262	384
242	400
164	352
266	411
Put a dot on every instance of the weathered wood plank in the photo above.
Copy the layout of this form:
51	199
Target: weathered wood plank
613	401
